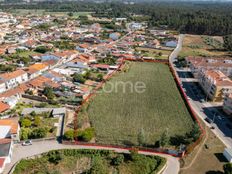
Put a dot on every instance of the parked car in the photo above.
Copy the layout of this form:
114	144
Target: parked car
208	120
27	143
212	127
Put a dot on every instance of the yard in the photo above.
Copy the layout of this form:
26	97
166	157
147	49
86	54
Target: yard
154	53
120	115
90	161
197	45
34	126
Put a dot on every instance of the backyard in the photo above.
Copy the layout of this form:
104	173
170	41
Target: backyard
119	116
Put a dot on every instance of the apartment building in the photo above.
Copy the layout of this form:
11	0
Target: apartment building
227	104
197	64
215	84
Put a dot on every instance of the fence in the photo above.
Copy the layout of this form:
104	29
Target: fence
178	83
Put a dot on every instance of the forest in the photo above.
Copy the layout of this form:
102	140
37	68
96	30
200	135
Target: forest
209	18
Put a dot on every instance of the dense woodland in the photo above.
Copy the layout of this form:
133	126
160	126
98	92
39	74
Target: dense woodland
186	17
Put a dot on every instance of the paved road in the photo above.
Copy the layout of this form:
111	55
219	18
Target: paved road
37	148
202	109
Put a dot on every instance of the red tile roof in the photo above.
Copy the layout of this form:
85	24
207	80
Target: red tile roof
2	161
219	78
100	66
11	75
3	107
13	123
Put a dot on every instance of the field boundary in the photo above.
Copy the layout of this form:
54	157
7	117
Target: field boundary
158	150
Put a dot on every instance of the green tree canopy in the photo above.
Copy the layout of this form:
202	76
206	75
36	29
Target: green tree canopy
228	42
25	122
164	139
69	135
78	78
227	168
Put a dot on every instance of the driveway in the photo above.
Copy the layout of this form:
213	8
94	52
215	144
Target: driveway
37	148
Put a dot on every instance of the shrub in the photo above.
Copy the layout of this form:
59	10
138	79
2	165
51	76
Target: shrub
38	133
98	166
37	121
78	78
25	122
41	49
48	92
119	159
25	133
54	156
69	135
86	135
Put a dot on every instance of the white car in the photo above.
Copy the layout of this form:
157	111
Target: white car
27	143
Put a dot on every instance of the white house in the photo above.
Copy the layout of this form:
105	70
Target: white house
11	101
2	86
12	79
171	44
228	154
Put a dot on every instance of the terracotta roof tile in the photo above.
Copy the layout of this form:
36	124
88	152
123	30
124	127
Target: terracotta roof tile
4	107
13	123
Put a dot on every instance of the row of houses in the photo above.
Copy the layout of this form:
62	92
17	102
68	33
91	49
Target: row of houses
213	76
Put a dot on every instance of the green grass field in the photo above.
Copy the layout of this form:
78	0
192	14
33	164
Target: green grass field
118	117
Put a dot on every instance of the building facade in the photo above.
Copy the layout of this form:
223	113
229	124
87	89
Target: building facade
215	84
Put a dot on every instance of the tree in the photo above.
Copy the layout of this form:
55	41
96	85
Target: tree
25	122
119	159
54	156
37	121
41	49
78	78
86	135
227	168
99	77
164	139
141	137
33	113
69	135
38	133
24	133
228	42
48	92
87	75
70	14
194	133
98	166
